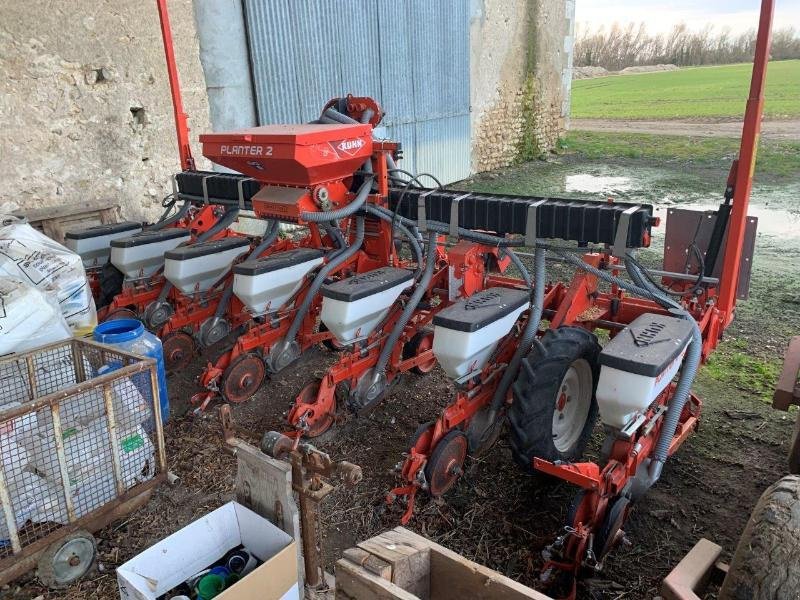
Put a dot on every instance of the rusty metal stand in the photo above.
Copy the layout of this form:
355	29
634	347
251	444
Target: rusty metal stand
312	471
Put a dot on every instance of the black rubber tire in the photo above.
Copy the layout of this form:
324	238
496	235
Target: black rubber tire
111	280
766	564
531	413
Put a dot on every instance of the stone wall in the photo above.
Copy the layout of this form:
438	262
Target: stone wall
85	110
520	69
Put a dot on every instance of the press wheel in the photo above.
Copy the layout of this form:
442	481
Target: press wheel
421	342
309	395
446	462
611	531
243	377
420	440
179	349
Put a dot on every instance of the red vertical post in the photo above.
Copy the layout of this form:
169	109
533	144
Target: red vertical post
181	119
729	279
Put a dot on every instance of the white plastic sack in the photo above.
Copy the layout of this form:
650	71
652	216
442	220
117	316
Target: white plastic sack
28	318
31	256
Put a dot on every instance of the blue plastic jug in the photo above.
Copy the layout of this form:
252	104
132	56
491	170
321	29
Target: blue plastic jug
131	336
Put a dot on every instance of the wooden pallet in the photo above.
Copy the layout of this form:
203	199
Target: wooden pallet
401	565
54	221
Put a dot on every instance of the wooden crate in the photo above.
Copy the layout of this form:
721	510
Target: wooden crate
401	565
55	221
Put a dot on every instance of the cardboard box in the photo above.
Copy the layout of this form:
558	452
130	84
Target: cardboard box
201	543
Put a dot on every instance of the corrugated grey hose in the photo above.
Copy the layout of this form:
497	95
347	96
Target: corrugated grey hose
322	276
366	116
335	115
270	235
690	363
416	249
162	222
345	211
518	263
332	229
411	306
228	217
528	334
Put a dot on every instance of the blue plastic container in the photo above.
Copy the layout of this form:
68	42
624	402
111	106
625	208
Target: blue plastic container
131	336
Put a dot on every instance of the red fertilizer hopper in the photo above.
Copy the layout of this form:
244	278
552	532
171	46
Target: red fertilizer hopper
303	166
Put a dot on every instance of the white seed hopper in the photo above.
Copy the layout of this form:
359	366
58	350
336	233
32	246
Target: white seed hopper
266	284
638	364
196	268
141	255
93	244
353	307
466	333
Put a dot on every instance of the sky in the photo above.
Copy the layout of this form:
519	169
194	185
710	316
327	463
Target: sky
660	16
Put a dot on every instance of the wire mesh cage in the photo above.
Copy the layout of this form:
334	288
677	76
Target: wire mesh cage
80	434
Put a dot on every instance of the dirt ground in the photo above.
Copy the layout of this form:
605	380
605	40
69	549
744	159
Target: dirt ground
788	129
495	515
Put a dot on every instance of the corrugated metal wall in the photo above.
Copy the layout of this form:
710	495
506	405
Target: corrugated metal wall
410	55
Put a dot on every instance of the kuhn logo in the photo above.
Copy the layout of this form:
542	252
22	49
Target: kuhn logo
350	146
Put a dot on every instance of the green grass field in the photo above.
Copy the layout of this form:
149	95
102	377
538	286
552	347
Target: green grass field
709	92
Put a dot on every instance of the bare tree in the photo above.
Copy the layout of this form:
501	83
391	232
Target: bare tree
630	45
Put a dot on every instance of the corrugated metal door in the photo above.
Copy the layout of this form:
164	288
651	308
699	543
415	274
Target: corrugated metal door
410	55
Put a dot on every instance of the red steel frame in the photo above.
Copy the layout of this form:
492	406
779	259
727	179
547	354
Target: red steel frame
137	295
316	406
181	119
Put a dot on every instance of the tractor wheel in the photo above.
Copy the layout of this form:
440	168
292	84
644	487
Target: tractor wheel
554	407
67	560
421	342
766	564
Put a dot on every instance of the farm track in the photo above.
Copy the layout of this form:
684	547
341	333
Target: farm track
788	129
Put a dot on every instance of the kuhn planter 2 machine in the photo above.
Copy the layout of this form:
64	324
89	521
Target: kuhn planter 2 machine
401	277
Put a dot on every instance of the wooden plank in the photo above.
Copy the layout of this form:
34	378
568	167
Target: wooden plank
66	210
264	485
370	562
356	583
453	576
408	557
787	391
692	573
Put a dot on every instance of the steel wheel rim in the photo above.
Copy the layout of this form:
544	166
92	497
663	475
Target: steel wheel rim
573	402
72	560
178	351
243	378
445	463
